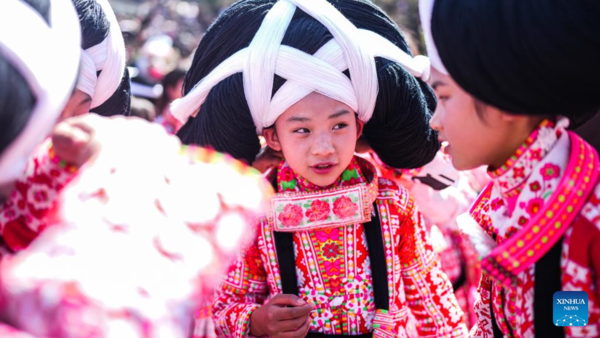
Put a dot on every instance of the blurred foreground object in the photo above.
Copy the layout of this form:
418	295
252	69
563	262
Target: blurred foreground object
136	241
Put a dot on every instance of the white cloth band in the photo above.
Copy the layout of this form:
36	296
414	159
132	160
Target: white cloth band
109	57
87	75
425	12
351	48
48	59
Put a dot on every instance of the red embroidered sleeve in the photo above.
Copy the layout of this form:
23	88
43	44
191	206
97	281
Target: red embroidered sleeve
428	290
243	291
22	214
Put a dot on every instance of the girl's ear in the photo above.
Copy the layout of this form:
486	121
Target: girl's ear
359	128
508	117
270	135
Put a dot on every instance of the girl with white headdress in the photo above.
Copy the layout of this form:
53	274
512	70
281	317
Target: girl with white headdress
126	253
103	88
511	76
33	94
103	85
341	251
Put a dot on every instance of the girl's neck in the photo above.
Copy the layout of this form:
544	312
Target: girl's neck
515	141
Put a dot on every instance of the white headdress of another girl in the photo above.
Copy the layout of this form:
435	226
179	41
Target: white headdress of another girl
108	57
350	49
47	56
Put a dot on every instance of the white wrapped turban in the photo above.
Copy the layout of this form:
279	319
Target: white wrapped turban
47	56
350	49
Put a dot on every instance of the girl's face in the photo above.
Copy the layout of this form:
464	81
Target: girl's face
174	91
317	136
489	137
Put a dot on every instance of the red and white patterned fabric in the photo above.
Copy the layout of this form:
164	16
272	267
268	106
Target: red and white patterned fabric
440	209
519	192
134	243
333	267
22	215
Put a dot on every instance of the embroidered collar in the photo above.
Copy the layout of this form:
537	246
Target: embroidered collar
549	217
511	176
300	205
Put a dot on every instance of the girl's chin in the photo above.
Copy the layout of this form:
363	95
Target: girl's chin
461	164
322	181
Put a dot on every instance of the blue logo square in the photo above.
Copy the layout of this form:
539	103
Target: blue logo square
570	308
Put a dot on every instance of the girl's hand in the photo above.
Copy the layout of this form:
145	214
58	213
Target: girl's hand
284	316
74	139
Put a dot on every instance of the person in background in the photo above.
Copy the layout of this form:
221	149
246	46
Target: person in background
172	85
143	109
31	100
103	85
126	252
102	88
442	194
510	77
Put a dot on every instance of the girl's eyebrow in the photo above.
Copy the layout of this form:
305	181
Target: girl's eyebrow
297	119
305	119
338	114
437	83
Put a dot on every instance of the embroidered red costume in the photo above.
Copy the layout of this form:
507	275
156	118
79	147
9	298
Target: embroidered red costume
332	261
22	215
440	208
544	199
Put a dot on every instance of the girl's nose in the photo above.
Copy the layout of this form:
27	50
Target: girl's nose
435	122
322	146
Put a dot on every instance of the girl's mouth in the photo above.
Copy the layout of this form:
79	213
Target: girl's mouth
446	148
323	168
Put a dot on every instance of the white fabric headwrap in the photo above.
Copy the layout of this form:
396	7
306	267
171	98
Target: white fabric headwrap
351	48
87	75
109	57
425	12
48	58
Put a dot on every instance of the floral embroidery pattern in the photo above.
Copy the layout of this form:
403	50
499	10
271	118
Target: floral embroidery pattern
519	172
24	215
343	207
497	203
535	205
550	171
319	211
535	186
327	235
331	250
546	160
528	174
317	207
334	270
291	215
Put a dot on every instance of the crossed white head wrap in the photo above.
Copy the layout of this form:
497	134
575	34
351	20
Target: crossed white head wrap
425	12
351	48
107	56
48	59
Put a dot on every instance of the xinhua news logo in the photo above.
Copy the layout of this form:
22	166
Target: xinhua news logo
570	308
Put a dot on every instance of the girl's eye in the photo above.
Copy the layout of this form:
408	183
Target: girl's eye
302	131
340	126
443	97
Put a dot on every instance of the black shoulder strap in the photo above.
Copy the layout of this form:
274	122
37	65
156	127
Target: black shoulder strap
547	281
284	246
495	328
377	257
